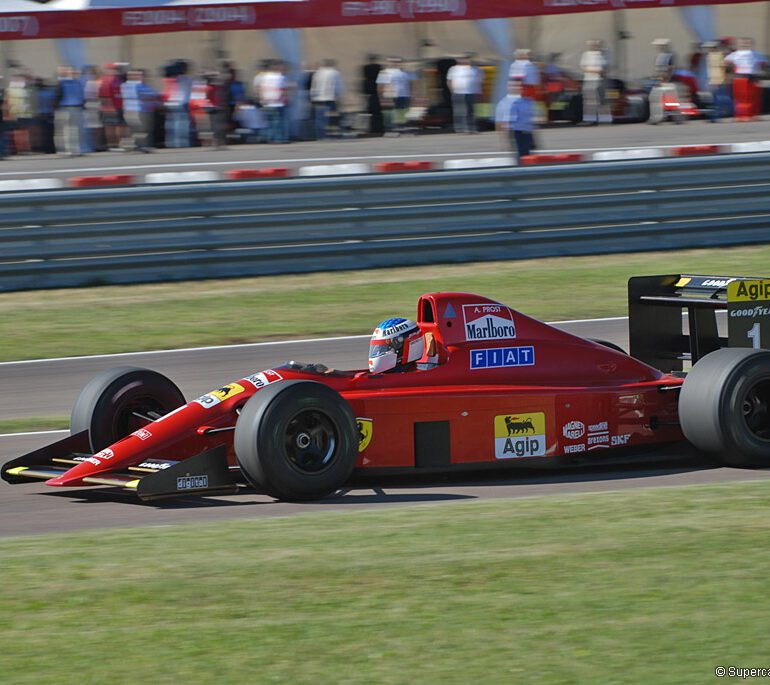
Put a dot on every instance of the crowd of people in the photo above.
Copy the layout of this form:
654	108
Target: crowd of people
119	107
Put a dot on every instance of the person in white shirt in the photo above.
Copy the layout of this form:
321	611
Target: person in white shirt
593	64
464	81
747	65
272	91
393	85
524	69
325	92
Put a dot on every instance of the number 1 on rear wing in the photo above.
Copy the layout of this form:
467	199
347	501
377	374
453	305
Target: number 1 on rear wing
673	319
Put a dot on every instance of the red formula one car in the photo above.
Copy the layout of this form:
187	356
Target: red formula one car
503	388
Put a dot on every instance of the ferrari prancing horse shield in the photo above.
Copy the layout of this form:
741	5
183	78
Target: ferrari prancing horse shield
364	433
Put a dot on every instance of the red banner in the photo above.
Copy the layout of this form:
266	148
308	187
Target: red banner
293	14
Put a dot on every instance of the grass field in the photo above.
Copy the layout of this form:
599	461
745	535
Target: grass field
37	423
56	323
645	586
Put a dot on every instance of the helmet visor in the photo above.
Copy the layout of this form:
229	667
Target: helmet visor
380	347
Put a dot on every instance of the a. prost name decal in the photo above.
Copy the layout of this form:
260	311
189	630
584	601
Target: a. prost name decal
488	322
495	357
520	435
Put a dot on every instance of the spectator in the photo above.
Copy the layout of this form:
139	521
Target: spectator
515	117
748	65
718	82
666	95
176	96
21	108
325	93
139	104
111	105
464	82
235	91
46	97
525	71
273	93
665	60
593	64
394	90
3	144
68	117
94	131
250	122
370	72
208	110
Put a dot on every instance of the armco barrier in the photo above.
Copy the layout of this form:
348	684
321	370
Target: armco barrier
210	230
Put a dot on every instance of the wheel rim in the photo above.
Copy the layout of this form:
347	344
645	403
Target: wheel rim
310	441
756	410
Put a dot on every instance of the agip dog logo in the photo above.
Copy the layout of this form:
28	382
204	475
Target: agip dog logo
520	435
488	322
365	429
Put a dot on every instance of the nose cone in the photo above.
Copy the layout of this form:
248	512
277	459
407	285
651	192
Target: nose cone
106	460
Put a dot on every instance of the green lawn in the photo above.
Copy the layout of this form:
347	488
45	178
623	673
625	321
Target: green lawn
37	423
55	323
645	586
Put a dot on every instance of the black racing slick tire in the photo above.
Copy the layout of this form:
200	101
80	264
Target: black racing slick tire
116	402
296	440
724	406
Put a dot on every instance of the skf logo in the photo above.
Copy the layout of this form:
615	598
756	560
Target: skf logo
520	435
365	429
748	291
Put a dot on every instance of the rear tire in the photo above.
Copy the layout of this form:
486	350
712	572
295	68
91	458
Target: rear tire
108	405
296	440
724	406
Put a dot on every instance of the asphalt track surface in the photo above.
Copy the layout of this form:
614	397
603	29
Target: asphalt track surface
437	147
49	386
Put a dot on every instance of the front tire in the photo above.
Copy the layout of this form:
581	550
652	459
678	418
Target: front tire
296	440
724	406
116	402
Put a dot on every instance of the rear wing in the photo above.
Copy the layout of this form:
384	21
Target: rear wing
721	311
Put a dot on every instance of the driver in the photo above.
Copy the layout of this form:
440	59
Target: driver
396	345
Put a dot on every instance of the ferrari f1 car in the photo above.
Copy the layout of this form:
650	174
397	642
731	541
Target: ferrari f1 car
502	388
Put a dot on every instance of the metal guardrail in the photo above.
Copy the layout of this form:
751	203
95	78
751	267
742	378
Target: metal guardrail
81	237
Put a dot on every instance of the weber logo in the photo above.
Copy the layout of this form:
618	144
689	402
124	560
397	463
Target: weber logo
488	322
192	482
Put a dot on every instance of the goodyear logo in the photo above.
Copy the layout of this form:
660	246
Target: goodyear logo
520	435
365	429
748	291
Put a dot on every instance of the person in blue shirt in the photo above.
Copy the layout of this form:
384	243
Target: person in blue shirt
139	104
515	118
69	111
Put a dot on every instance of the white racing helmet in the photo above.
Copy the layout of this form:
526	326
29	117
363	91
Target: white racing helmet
395	343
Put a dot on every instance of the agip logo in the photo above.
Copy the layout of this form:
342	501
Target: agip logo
520	435
488	322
